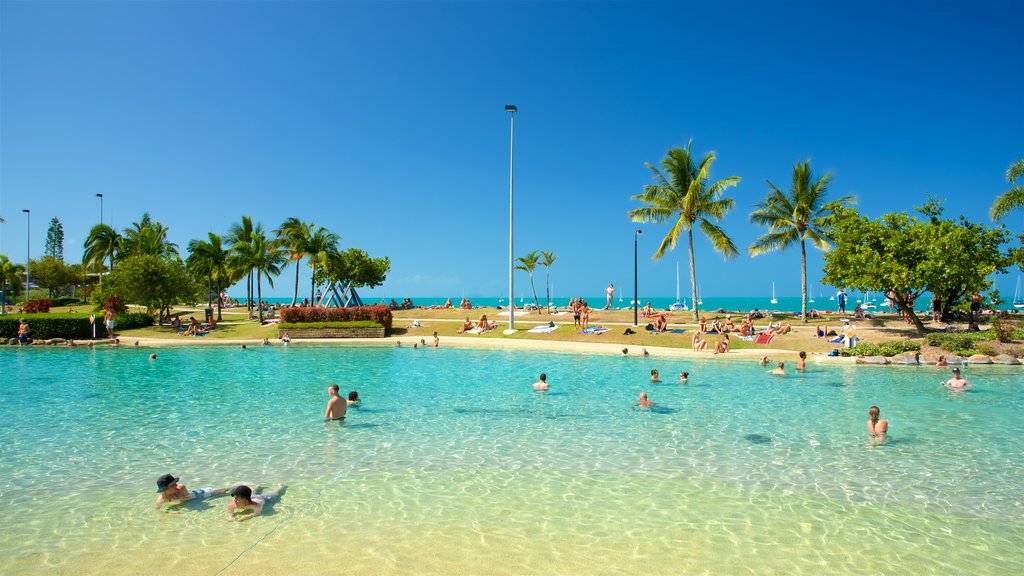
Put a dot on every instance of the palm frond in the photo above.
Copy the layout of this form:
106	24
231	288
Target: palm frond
719	240
1012	199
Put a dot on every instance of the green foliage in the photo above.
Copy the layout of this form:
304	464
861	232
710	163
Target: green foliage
354	324
356	266
46	326
1012	199
149	281
130	320
64	301
892	348
54	275
55	240
962	343
986	349
1003	330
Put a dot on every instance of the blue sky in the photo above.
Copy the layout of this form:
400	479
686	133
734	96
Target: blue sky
384	122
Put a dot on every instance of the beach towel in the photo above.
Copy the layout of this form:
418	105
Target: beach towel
542	329
763	338
746	338
677	331
594	330
836	340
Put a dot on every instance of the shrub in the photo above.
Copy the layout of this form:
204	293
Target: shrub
1002	329
64	301
892	348
129	320
356	324
986	349
378	313
37	306
958	342
46	326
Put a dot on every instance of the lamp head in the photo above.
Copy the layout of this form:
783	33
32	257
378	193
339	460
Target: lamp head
98	195
639	232
25	210
510	108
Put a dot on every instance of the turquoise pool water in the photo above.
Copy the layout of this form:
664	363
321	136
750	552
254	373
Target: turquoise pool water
455	465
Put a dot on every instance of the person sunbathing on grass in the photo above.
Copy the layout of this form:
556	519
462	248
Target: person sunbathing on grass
466	326
483	324
723	346
660	323
699	342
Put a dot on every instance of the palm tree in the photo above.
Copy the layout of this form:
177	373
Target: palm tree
528	264
686	194
263	256
294	235
1012	199
322	245
801	215
546	260
148	238
102	242
10	274
211	260
238	235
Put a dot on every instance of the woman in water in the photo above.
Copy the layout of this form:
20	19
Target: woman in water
654	375
876	427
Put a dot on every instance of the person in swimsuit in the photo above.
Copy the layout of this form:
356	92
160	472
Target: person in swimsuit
336	406
173	493
655	377
23	331
609	291
684	377
956	382
802	362
541	385
353	399
108	318
779	370
644	402
247	505
876	427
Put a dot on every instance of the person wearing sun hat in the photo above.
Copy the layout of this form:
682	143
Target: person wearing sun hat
173	492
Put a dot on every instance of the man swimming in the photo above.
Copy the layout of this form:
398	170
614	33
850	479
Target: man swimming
541	385
173	492
336	406
779	370
644	402
247	505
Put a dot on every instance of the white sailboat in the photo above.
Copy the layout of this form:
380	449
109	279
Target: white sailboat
868	304
700	300
811	299
679	305
620	293
1018	300
774	299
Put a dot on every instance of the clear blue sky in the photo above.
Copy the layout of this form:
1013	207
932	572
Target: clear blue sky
384	122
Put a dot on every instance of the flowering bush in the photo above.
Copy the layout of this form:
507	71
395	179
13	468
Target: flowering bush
37	306
378	313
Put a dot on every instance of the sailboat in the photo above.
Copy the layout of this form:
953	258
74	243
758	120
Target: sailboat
1018	300
620	293
868	304
700	300
811	299
774	299
679	305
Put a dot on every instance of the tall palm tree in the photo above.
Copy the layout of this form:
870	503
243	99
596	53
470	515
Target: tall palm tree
322	244
1012	199
148	238
528	264
262	256
682	191
239	234
546	260
294	235
102	242
794	218
211	260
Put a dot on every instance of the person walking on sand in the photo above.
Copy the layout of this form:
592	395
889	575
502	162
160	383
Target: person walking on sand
609	291
336	406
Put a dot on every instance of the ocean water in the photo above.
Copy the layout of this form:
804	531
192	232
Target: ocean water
454	465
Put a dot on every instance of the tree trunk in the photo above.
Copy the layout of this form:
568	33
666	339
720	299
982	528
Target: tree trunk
904	305
547	288
259	291
803	281
220	301
209	290
295	296
693	275
248	292
312	286
536	302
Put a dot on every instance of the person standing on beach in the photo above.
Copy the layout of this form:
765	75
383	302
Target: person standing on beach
336	406
841	297
610	291
574	306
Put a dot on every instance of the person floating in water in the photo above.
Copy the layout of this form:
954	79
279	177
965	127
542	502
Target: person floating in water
174	493
541	385
247	505
875	426
336	406
644	402
684	377
956	382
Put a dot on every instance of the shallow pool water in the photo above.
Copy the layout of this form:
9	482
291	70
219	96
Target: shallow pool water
455	465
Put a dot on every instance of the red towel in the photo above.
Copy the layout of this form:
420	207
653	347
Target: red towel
763	338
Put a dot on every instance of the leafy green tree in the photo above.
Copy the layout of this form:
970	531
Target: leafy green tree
796	217
905	256
682	191
354	267
55	240
263	256
148	280
546	260
11	276
102	242
54	275
528	264
209	260
1012	199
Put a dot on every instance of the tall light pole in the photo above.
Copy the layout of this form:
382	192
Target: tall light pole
511	109
636	301
28	249
100	196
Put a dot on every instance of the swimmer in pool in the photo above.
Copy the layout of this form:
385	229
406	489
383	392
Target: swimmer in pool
655	377
644	402
247	505
764	361
541	385
780	370
336	406
956	382
875	426
353	399
684	377
173	493
801	363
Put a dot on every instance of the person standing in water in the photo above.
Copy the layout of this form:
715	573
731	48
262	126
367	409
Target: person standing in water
876	427
541	385
336	406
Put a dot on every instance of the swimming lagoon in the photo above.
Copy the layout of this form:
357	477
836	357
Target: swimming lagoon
455	465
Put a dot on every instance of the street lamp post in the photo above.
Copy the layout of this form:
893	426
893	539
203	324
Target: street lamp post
28	250
100	196
636	301
511	109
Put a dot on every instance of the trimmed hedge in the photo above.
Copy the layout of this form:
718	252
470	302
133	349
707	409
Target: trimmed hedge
64	301
301	315
961	343
893	348
46	326
356	324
